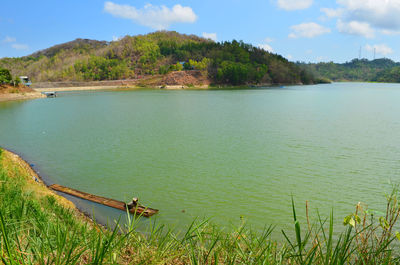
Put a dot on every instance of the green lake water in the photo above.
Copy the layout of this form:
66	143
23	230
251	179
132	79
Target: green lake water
221	154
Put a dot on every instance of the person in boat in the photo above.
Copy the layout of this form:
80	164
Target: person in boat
133	203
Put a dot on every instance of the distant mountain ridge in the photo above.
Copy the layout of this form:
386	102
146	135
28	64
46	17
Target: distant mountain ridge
71	45
154	54
378	70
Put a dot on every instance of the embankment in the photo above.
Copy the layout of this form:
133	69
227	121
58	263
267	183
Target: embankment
9	93
40	227
172	80
82	86
14	165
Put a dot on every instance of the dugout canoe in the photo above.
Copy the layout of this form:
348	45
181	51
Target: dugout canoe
139	210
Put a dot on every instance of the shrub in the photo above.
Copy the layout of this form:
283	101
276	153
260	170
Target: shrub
5	76
16	81
176	67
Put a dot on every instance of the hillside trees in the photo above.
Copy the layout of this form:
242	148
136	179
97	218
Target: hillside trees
100	68
378	70
234	62
389	75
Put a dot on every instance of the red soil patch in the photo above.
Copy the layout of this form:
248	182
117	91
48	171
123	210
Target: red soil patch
185	78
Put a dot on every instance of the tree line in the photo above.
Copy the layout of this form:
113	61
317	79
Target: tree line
231	62
378	70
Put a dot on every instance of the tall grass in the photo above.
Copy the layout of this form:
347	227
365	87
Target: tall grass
367	238
37	230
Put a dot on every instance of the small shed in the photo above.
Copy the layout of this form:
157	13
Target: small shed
25	80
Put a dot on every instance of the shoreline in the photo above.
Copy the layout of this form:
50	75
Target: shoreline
20	96
36	182
94	88
90	88
78	88
37	185
38	91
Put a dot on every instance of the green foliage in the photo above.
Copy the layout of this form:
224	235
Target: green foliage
149	52
176	67
16	81
391	75
239	73
100	68
364	240
164	69
232	62
5	76
232	73
198	65
379	70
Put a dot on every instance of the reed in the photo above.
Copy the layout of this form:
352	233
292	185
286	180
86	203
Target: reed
38	230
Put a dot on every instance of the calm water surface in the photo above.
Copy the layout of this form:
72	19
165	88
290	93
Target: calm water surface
219	154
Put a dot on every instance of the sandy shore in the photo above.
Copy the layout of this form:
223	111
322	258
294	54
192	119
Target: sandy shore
20	96
79	88
178	87
88	88
38	91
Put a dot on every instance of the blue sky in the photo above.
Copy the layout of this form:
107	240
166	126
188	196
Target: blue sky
304	30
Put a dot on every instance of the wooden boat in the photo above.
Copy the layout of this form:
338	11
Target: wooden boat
139	210
50	94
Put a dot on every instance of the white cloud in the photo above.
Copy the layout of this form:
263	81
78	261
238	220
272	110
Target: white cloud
383	14
356	28
19	46
13	42
156	17
379	49
330	12
212	36
321	59
390	32
266	47
366	17
290	5
116	38
307	30
9	39
289	57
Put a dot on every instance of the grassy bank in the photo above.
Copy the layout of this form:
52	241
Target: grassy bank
39	227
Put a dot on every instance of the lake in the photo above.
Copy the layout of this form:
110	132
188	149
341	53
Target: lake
222	154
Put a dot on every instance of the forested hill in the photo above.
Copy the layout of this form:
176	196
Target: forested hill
378	70
157	54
